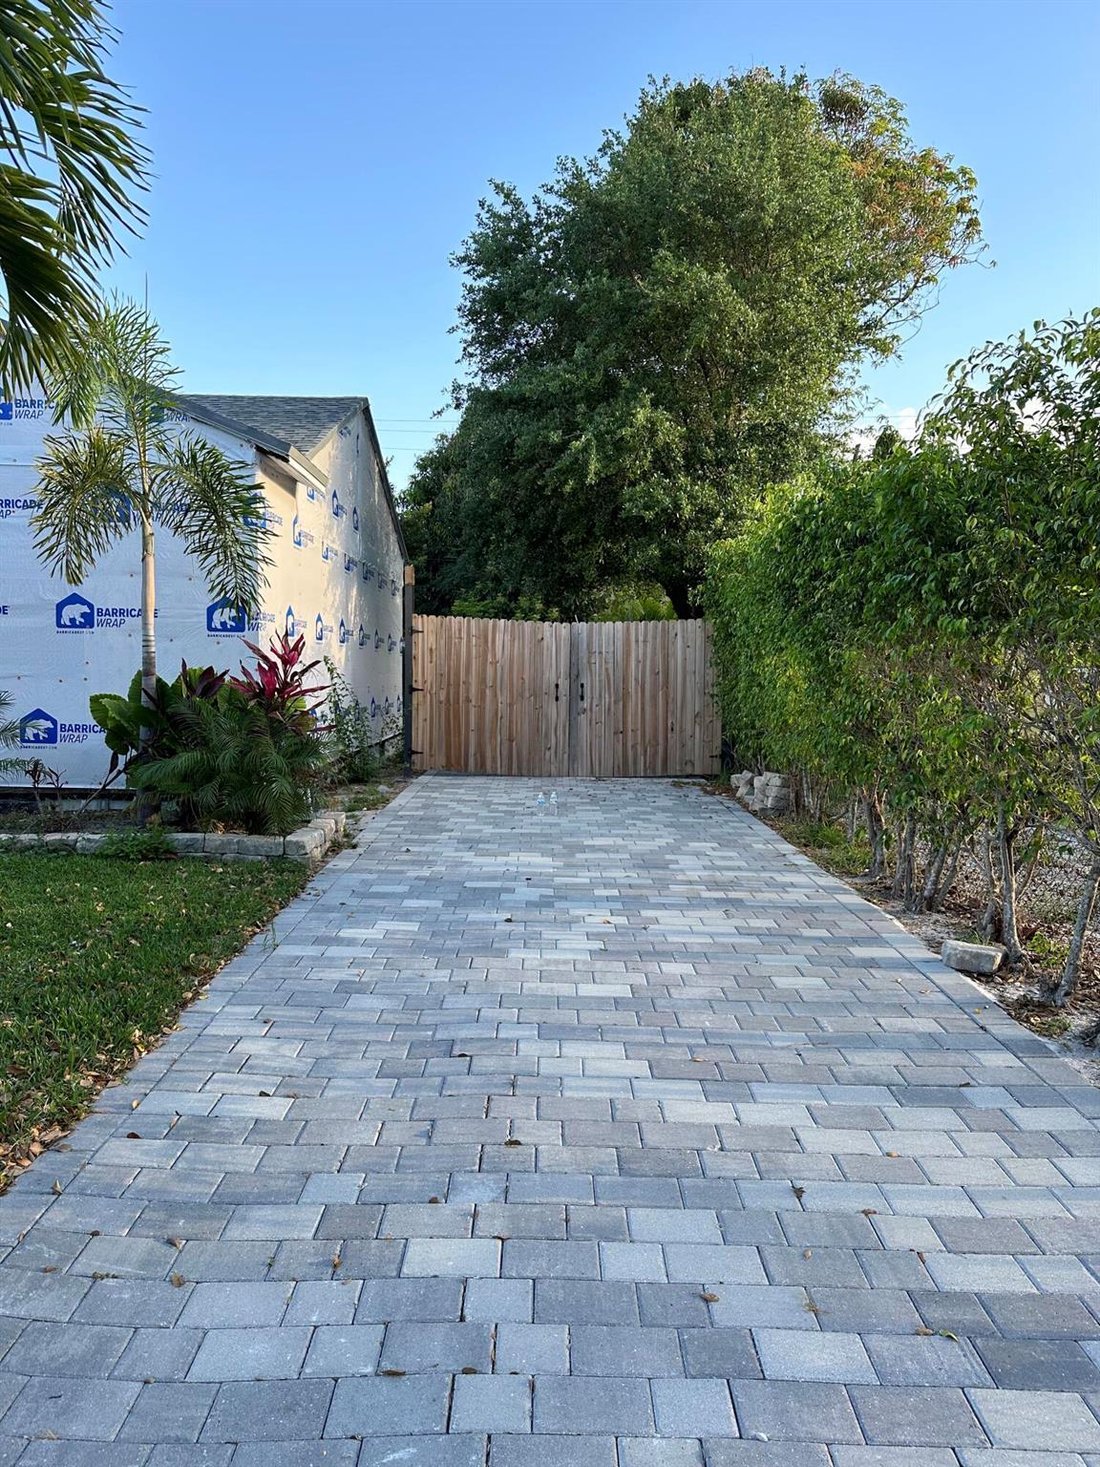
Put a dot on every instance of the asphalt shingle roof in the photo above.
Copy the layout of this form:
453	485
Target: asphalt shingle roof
304	422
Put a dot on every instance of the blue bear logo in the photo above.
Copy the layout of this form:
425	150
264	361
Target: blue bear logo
74	613
37	729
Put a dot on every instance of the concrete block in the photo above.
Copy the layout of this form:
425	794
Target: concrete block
972	957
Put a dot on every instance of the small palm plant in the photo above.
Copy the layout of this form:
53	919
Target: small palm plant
9	739
127	466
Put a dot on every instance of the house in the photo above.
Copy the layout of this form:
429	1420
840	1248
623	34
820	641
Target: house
337	574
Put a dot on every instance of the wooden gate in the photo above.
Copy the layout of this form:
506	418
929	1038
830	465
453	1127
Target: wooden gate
552	698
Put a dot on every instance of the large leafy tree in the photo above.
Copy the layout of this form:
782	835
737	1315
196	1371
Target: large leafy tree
70	171
672	324
126	467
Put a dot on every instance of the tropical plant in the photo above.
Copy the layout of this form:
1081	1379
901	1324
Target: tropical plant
9	738
70	170
278	684
135	725
237	767
670	326
128	466
245	752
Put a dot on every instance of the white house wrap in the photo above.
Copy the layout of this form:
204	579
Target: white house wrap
337	574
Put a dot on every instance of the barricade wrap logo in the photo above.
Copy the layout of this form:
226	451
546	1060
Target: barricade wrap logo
75	613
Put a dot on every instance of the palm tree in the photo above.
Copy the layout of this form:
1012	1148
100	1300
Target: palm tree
128	465
69	167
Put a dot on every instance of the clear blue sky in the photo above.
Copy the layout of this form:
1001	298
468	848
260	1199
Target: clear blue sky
317	161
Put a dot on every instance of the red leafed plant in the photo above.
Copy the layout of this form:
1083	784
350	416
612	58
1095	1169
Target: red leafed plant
277	683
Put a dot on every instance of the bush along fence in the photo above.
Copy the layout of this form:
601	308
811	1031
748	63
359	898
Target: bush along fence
916	637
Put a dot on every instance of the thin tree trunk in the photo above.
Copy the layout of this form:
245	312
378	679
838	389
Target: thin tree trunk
1085	908
939	896
876	834
1006	841
989	926
903	867
148	612
932	874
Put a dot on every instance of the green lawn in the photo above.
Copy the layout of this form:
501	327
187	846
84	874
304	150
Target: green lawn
97	957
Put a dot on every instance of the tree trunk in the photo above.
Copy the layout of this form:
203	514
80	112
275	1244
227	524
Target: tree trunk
943	887
876	834
679	593
148	612
903	869
934	870
1006	843
1085	908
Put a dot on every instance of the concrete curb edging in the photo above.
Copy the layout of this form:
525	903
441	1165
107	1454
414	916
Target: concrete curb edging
309	844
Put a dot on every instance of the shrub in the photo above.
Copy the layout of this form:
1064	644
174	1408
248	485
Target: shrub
241	751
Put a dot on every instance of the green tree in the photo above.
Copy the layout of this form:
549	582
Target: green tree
70	168
673	324
127	466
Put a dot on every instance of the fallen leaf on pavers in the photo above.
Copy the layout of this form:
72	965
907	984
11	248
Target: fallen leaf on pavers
807	1253
391	1372
133	1135
470	1370
337	1261
799	1192
922	1329
435	1199
710	1298
811	1308
174	1242
513	1141
56	1189
509	919
947	1335
50	1268
920	1255
177	1280
869	1211
893	1155
134	1104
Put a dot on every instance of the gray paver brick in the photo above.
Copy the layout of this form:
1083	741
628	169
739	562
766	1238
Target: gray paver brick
919	1416
1037	1420
491	1403
683	1406
384	1406
169	1412
577	1405
268	1411
84	1410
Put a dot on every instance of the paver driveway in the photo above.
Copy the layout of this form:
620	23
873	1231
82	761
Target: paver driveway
619	1134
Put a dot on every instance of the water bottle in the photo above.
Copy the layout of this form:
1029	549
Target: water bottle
541	803
553	802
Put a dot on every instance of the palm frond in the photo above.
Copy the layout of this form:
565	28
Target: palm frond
68	133
207	500
83	485
117	366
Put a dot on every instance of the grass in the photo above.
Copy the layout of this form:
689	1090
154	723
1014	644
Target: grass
97	957
828	844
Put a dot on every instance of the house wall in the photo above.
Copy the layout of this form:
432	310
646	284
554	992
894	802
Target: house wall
57	647
362	571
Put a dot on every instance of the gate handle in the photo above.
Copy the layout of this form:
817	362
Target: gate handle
582	692
555	692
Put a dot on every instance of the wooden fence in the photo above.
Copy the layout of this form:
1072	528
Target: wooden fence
552	698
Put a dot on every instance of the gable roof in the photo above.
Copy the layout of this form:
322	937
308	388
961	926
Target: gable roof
301	422
292	428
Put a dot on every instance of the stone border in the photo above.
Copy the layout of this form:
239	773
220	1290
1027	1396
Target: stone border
308	844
